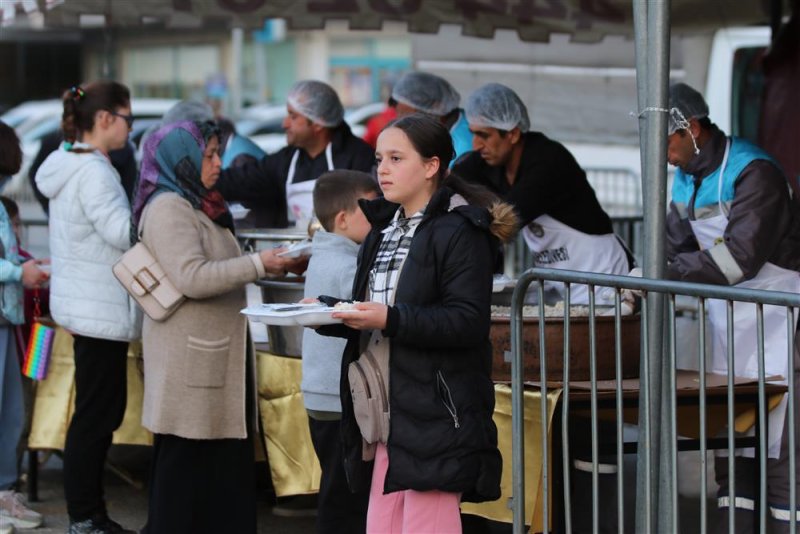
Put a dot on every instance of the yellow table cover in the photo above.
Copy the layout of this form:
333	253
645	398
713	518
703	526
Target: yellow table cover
293	463
55	399
499	510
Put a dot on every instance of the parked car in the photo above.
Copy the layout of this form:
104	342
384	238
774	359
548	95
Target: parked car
263	123
358	117
37	119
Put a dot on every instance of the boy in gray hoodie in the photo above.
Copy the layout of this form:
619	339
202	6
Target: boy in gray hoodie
331	270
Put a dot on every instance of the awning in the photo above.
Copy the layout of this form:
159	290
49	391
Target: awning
534	20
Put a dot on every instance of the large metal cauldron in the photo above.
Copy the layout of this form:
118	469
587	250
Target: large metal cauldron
284	340
579	355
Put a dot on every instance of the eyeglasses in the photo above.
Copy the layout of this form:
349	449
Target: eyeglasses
127	118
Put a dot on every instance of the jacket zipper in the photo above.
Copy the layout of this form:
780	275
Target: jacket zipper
363	378
447	399
381	383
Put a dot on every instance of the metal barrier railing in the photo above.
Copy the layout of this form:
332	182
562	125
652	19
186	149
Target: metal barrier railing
618	190
657	498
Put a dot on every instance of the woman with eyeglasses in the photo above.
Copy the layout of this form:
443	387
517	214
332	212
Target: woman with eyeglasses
89	230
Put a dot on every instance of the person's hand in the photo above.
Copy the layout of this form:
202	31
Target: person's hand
309	300
297	265
273	264
369	316
32	276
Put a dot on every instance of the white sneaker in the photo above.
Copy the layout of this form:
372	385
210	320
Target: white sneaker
14	511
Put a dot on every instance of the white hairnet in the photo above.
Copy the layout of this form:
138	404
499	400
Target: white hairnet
685	103
427	93
188	110
496	106
317	101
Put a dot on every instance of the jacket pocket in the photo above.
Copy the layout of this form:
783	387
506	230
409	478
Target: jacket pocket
206	362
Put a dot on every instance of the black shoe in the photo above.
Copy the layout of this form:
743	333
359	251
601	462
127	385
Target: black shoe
97	525
296	506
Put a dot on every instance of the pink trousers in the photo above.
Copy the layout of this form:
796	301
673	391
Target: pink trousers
409	511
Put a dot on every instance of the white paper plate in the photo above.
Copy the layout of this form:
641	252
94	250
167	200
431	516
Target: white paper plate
292	314
320	318
302	248
238	211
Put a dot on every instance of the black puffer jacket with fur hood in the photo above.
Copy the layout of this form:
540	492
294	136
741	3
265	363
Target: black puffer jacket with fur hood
441	394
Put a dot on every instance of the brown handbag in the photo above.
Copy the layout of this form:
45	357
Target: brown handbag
145	280
369	387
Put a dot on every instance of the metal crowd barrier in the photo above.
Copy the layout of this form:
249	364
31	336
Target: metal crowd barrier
618	190
657	495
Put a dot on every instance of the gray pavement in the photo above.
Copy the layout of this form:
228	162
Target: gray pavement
127	499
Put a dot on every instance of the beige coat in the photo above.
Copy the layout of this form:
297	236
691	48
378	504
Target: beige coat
194	362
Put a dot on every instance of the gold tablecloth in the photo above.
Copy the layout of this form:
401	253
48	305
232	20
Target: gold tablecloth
293	463
498	510
55	399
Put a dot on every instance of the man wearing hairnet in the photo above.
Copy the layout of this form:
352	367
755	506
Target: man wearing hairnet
422	92
732	221
563	223
319	140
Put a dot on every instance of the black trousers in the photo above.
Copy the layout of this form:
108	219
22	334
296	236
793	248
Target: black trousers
202	486
339	511
100	396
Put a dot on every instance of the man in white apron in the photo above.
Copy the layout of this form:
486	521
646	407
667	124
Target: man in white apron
732	221
563	223
319	141
424	92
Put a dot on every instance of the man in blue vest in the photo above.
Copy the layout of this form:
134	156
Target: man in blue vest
732	222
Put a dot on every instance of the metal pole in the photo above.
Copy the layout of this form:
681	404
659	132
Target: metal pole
643	483
655	200
651	20
235	72
517	406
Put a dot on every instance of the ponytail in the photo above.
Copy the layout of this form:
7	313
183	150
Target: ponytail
81	104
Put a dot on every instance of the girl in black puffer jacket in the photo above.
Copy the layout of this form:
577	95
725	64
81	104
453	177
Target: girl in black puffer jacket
425	281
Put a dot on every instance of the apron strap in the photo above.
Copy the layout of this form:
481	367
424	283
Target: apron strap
722	210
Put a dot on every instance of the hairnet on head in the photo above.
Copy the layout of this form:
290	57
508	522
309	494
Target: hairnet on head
496	106
427	93
684	103
188	110
317	101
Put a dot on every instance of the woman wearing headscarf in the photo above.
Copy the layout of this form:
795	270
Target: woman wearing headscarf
199	398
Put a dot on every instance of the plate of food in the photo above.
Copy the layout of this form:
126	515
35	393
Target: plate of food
296	250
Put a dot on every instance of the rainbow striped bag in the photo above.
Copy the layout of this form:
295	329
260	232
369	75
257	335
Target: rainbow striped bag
40	345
